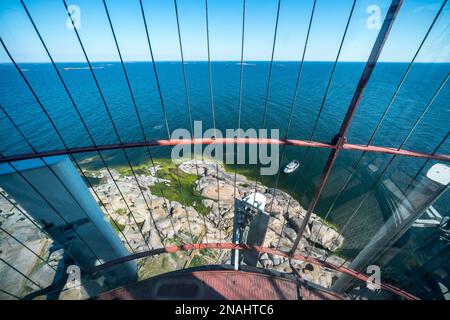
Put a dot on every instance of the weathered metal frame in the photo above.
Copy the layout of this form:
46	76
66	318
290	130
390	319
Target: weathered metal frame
338	144
232	246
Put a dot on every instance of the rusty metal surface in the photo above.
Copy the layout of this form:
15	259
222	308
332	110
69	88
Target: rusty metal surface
231	246
219	285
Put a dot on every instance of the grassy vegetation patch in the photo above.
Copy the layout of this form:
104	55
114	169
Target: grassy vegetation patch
329	224
198	260
121	211
188	196
153	266
250	172
44	254
210	253
140	169
171	191
172	241
39	263
165	263
116	226
174	256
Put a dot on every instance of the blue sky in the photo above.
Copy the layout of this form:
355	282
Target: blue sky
225	30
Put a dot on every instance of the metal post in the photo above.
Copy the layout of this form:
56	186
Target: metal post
340	137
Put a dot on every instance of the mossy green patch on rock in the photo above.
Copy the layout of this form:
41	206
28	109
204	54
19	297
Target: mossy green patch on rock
153	266
178	181
116	226
125	171
198	260
121	211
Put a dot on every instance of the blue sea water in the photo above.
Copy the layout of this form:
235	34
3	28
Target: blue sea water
419	87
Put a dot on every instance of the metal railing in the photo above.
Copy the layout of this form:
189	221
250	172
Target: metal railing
338	144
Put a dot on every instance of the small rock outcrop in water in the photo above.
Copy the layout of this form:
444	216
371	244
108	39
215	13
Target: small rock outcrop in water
157	220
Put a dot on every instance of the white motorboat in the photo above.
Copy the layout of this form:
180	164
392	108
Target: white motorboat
291	166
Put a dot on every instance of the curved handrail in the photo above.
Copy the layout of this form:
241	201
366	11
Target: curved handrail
231	246
207	141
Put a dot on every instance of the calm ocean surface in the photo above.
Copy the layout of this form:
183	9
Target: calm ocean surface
421	84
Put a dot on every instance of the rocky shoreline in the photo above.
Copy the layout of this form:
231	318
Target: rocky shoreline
155	214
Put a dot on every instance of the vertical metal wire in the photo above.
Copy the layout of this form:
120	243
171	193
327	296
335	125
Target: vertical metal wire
42	159
78	114
211	95
241	74
15	206
385	112
299	74
59	135
291	112
23	213
405	75
52	207
21	273
27	141
426	162
271	65
294	101
110	117
139	121
330	80
424	111
103	205
436	149
240	102
155	71
162	104
213	113
26	247
10	294
340	138
18	240
183	68
266	100
134	104
188	106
